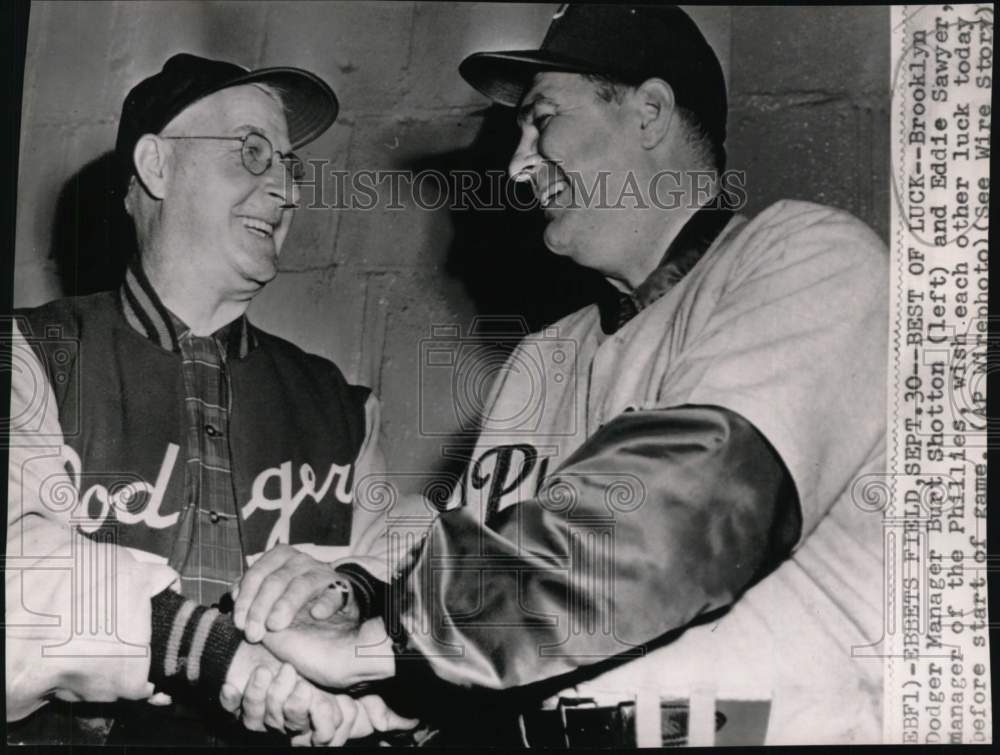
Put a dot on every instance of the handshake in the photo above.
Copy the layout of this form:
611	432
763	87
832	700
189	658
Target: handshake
305	643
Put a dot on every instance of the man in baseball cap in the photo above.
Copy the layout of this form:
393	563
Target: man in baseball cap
670	537
629	44
183	428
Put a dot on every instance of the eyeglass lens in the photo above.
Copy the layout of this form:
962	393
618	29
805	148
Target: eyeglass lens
257	153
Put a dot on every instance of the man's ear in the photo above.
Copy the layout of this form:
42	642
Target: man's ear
151	164
655	99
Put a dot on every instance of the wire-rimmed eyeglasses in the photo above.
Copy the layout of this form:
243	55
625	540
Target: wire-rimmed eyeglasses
258	153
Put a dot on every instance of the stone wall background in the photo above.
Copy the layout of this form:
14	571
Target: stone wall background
809	91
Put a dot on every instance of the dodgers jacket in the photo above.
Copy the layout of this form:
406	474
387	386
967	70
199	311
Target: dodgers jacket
98	442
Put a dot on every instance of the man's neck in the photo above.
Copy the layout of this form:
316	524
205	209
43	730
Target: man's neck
654	245
201	306
657	228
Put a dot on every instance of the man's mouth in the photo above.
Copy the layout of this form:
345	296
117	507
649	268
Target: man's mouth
548	196
258	227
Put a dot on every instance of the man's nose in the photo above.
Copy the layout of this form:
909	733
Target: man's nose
526	158
279	184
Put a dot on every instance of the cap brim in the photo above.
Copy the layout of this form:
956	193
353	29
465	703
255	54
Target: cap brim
505	76
310	105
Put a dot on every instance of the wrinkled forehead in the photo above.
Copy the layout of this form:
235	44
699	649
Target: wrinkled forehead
235	109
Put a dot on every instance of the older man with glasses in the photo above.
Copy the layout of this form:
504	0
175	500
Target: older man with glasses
192	441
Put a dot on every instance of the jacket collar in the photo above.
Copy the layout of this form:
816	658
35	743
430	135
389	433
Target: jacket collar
148	316
694	239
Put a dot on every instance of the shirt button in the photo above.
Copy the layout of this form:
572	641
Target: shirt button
214	517
211	431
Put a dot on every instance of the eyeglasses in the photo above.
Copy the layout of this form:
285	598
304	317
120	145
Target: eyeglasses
258	153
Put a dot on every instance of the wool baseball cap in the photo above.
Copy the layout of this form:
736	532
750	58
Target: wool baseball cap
631	43
309	102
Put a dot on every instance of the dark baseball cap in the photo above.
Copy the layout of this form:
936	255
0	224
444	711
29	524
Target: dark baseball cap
310	104
631	43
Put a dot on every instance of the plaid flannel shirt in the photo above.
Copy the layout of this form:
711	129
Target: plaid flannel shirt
208	552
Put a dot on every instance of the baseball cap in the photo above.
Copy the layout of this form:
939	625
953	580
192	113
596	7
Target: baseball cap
628	42
309	102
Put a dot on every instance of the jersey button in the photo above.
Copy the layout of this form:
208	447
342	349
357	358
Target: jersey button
214	517
212	431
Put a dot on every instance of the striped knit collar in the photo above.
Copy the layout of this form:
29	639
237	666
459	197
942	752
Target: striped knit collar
147	315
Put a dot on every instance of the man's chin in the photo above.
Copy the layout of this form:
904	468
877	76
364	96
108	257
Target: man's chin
263	273
263	280
559	242
554	240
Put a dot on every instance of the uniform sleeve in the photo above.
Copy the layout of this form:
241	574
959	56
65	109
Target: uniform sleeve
385	523
77	611
660	517
369	507
667	513
797	345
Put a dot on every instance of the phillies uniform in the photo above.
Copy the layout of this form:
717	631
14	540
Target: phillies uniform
613	498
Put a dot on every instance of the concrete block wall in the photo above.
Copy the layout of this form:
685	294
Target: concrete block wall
809	106
364	288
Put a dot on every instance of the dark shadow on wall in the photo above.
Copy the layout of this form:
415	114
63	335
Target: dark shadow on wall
93	237
497	250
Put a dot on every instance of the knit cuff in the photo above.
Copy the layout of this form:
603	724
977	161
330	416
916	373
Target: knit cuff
223	640
192	646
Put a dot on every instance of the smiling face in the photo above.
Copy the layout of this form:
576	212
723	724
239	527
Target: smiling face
226	225
578	152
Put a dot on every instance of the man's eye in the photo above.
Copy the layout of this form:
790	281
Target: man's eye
542	121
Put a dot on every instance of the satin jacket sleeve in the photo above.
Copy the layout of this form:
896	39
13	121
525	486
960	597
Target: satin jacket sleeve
660	517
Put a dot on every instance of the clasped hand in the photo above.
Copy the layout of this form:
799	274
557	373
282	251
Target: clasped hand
305	614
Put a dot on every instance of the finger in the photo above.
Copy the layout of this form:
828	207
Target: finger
326	604
246	590
375	709
302	740
270	589
349	711
254	698
299	591
396	722
383	718
325	716
229	698
277	693
296	708
363	725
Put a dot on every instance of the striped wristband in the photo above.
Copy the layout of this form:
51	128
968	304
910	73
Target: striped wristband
191	645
